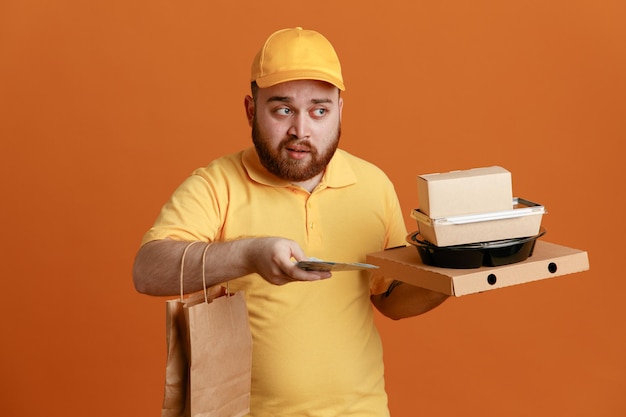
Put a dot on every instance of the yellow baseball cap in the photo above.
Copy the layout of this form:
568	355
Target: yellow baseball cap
296	54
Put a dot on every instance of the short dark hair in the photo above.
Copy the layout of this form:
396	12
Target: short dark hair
254	89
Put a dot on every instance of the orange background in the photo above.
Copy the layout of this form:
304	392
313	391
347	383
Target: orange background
106	106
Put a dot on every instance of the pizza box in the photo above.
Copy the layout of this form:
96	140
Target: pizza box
548	260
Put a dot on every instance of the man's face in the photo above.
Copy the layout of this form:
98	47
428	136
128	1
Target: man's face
296	127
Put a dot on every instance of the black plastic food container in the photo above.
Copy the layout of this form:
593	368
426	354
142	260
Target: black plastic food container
475	255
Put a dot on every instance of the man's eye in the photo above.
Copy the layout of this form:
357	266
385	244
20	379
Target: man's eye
284	111
319	112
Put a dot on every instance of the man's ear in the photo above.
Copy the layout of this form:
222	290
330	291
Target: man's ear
248	103
340	108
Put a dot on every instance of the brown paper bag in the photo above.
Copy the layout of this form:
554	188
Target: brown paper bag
175	398
209	354
177	364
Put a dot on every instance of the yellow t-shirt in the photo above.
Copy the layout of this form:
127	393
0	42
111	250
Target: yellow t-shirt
316	350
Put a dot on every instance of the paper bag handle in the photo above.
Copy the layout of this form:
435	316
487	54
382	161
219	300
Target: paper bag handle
182	266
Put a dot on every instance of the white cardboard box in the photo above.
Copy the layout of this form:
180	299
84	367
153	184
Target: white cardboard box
469	191
549	260
521	221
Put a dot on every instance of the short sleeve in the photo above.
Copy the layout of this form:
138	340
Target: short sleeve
191	213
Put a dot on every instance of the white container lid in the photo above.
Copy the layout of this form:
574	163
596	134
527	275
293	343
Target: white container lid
529	209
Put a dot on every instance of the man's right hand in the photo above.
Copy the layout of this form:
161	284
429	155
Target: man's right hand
274	259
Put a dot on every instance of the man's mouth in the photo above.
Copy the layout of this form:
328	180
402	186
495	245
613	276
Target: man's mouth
298	150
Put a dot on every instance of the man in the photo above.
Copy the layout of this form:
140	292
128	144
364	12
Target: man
295	194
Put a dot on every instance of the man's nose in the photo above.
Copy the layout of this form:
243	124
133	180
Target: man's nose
300	126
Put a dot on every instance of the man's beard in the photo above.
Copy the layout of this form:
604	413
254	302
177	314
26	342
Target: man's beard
292	169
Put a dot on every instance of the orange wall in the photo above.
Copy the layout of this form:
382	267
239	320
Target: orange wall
107	105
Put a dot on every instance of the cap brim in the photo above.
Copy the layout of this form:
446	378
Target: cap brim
273	79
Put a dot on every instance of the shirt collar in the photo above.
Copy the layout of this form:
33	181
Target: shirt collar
338	173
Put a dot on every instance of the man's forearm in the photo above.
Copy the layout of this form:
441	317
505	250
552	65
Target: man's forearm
156	270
